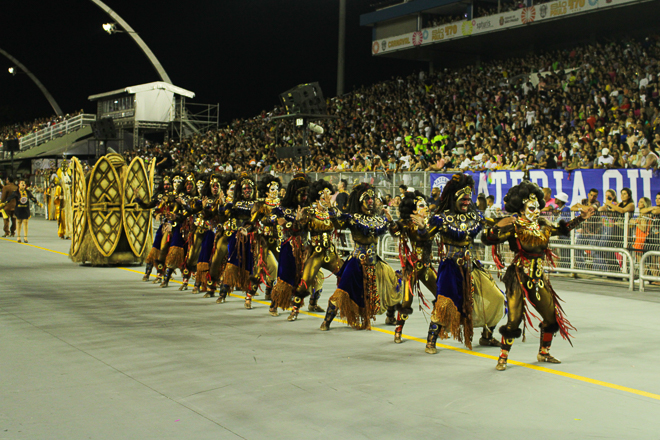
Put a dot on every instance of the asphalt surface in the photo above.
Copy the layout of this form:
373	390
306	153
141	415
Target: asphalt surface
95	353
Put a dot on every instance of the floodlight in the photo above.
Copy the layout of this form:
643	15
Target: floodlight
110	28
12	70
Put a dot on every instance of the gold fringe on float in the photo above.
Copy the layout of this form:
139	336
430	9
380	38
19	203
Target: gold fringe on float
175	257
153	255
447	315
281	294
234	276
353	314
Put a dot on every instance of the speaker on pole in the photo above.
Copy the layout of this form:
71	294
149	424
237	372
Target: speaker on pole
104	129
12	145
304	98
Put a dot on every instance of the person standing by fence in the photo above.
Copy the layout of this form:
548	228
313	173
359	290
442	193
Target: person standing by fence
641	226
590	230
8	211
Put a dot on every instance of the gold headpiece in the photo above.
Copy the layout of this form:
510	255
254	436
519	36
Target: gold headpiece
369	192
464	191
532	198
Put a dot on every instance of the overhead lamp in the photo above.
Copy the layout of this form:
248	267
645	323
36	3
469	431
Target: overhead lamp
12	70
110	28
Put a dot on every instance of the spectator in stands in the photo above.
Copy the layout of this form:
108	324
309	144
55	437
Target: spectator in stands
434	199
605	160
649	158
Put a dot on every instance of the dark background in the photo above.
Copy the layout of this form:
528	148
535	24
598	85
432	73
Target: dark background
239	53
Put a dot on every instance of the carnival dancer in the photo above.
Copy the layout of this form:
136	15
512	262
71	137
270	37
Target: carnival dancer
7	212
48	201
176	255
525	279
466	294
161	200
239	269
268	233
200	228
224	232
170	207
294	245
366	286
320	220
22	210
206	222
64	206
415	253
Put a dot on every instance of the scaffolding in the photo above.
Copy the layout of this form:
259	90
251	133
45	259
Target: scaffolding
193	118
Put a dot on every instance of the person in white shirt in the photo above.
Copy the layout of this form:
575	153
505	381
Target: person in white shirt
465	162
605	159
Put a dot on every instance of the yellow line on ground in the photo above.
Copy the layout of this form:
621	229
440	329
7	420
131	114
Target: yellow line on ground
448	347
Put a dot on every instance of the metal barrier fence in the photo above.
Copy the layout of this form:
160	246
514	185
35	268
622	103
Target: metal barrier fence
579	254
56	130
625	246
643	267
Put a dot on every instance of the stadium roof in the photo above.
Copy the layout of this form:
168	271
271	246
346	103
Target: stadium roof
132	90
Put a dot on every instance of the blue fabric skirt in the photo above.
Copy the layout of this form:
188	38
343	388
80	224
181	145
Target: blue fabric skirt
450	283
240	252
286	267
351	280
176	239
206	252
159	237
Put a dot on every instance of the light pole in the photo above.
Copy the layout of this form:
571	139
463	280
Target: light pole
134	35
342	47
49	97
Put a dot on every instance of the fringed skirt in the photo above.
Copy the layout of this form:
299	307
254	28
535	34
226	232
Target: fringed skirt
465	299
240	262
176	257
289	272
155	249
364	291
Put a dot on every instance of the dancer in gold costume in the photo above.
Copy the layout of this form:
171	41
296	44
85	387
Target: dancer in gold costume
525	279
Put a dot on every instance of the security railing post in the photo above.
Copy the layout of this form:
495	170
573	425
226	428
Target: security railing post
572	251
626	218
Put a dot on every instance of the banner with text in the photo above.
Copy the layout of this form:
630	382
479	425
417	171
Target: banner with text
576	184
492	23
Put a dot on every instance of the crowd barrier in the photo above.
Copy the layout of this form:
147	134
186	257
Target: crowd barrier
623	246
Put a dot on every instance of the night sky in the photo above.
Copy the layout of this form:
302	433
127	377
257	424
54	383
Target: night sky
239	53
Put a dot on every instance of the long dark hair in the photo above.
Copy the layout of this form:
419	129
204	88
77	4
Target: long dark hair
513	200
264	183
409	204
318	186
238	189
448	196
354	203
290	200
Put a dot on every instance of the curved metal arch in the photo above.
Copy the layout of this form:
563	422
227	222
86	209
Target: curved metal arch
134	35
49	97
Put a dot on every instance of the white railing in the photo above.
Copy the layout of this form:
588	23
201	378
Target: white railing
54	131
643	266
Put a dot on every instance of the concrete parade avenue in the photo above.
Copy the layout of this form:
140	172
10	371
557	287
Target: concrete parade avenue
95	353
